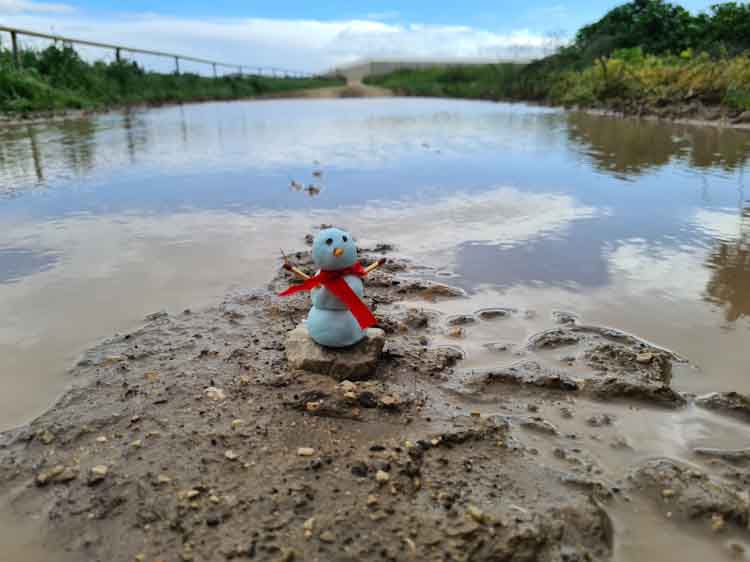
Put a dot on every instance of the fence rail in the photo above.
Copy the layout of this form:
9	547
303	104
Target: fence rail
119	49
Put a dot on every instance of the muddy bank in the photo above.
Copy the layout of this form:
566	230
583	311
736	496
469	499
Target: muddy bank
190	439
683	113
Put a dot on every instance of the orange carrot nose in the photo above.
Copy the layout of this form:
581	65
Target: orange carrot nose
338	252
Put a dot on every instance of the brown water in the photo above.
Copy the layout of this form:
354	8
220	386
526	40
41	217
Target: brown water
642	226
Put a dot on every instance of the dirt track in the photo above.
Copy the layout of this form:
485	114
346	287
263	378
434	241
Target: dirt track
351	90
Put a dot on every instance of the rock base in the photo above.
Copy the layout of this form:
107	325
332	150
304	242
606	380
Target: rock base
357	362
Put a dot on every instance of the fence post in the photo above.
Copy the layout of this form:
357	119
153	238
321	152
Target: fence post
177	65
118	58
14	41
214	65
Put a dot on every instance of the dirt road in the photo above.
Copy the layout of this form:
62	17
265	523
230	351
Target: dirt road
351	90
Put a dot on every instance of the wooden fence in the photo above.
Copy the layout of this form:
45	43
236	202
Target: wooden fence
119	49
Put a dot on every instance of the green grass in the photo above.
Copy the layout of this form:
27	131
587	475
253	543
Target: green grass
473	82
57	79
627	79
496	82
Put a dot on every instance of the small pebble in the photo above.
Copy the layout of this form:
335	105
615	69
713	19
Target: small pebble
98	473
46	437
644	358
327	537
475	513
308	527
215	394
347	386
382	476
305	451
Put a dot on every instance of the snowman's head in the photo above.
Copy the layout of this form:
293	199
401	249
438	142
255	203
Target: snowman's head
334	249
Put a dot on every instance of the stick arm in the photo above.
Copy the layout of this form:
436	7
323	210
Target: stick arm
298	272
373	266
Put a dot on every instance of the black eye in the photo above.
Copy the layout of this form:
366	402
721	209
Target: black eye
329	241
345	239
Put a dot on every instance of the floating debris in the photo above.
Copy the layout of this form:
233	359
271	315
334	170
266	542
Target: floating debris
313	190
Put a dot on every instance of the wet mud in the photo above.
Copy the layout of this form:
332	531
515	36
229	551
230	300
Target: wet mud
191	439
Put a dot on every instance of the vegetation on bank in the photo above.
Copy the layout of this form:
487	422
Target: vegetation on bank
641	56
57	78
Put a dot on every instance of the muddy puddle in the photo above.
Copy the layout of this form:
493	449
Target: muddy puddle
547	220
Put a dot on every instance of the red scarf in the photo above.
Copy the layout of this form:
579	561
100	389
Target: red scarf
334	282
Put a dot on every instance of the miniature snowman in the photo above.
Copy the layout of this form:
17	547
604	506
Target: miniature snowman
338	317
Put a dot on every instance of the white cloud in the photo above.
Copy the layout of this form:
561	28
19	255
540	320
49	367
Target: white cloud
296	44
503	216
27	6
643	268
724	224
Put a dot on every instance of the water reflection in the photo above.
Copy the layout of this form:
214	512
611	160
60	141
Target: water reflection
633	147
729	263
624	146
16	263
262	135
135	132
78	146
233	136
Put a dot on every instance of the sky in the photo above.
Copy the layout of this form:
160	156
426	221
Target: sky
317	36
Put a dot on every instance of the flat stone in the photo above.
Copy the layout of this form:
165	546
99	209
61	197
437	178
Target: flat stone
350	363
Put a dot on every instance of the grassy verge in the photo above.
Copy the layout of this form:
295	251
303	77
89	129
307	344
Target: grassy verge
627	80
57	78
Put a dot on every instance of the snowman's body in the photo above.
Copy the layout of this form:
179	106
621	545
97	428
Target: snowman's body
329	322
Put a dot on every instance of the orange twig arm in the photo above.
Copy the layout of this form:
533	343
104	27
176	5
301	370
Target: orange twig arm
373	266
298	272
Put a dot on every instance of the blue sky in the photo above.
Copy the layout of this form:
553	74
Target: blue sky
318	35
